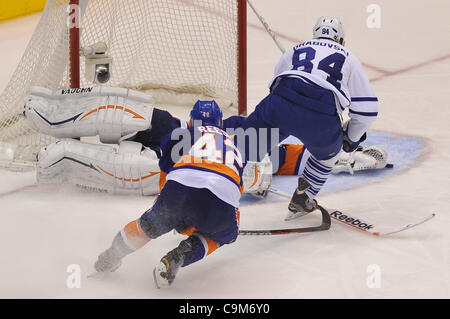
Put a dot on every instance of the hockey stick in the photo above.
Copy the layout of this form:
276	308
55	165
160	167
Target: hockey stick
278	43
349	168
358	223
266	26
326	223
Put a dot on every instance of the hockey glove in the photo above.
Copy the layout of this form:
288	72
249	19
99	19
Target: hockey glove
348	145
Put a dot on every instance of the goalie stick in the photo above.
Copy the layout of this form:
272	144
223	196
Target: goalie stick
358	223
326	223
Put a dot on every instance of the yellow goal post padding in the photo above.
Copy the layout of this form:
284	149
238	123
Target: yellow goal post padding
10	9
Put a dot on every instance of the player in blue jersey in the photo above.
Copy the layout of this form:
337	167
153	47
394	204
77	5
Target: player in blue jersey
132	167
314	83
201	188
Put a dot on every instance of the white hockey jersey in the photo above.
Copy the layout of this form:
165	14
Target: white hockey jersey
333	67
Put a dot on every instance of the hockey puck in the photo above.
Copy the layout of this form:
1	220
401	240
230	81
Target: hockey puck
389	166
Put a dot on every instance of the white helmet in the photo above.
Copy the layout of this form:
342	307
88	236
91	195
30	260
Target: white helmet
329	28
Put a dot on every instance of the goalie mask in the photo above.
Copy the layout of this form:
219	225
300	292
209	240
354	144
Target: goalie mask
329	28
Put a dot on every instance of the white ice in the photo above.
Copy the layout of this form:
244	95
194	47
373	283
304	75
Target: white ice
46	229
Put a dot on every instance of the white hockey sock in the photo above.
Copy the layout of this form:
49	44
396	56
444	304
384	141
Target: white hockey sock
316	172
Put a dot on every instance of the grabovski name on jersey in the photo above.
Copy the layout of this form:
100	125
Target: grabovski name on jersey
329	65
323	44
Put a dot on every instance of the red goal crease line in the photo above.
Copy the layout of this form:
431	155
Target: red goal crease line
412	67
14	191
384	73
260	28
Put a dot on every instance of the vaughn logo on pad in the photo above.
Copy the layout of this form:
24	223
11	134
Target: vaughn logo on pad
78	90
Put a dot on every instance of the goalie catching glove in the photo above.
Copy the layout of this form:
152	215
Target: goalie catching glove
105	111
363	158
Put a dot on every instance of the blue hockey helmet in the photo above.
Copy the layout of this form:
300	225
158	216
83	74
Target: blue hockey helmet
208	112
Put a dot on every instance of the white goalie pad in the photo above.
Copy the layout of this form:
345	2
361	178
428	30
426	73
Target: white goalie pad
257	176
105	111
363	158
101	168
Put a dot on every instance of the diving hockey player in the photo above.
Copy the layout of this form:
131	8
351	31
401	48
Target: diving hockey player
200	194
132	168
119	116
314	83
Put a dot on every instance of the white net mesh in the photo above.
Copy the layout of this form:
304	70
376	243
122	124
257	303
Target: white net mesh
179	50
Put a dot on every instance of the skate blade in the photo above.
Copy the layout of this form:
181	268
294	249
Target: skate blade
291	215
155	280
100	274
160	282
96	275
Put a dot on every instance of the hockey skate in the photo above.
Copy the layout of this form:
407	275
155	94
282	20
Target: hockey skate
107	261
164	274
301	204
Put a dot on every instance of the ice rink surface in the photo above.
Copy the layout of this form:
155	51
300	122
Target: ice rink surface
46	229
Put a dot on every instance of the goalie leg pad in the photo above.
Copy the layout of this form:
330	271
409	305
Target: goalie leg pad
108	112
101	168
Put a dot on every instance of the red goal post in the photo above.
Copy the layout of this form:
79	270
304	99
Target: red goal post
240	43
176	50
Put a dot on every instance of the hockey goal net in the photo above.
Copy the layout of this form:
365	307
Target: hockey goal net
178	50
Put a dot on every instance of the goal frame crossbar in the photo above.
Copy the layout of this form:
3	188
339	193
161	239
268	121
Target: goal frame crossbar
75	13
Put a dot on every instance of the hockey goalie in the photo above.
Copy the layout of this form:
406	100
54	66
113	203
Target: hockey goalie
129	120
